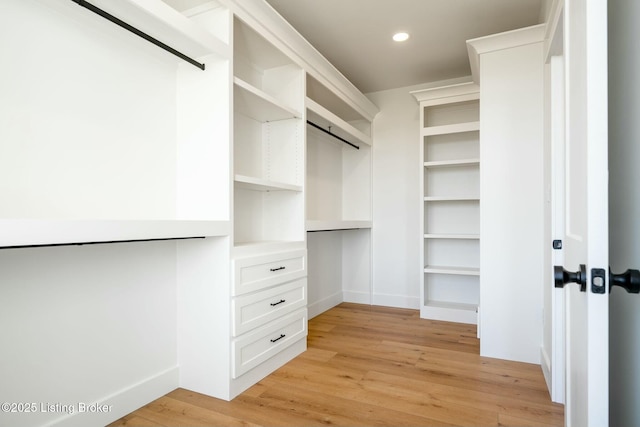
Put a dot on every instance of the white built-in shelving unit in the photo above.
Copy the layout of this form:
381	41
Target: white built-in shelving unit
338	163
268	299
268	142
338	200
450	202
141	144
108	138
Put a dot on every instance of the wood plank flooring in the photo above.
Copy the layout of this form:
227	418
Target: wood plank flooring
375	366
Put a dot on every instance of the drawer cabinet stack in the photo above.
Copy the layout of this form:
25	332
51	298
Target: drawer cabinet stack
268	308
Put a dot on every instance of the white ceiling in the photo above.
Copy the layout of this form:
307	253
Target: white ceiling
355	35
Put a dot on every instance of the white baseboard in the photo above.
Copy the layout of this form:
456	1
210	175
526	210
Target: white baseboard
398	301
123	402
318	307
248	379
545	364
356	297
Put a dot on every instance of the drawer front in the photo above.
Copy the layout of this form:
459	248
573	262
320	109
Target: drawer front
255	273
255	347
253	310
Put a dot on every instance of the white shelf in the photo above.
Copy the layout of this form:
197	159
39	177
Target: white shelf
452	163
259	105
452	236
328	225
460	271
260	247
451	199
450	312
166	24
34	232
268	150
448	129
253	53
258	184
449	153
325	118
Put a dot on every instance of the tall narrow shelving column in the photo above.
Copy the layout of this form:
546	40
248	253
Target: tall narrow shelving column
268	301
268	143
338	202
450	202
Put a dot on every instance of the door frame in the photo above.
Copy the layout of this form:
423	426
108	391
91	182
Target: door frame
554	364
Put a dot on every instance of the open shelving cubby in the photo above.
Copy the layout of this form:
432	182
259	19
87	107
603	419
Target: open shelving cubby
450	193
338	163
338	199
268	142
142	157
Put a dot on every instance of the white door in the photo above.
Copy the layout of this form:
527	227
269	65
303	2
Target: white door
586	219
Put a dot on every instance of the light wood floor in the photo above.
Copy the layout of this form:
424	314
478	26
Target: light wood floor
375	366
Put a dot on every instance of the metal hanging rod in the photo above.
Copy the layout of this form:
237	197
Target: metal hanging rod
48	245
332	134
137	32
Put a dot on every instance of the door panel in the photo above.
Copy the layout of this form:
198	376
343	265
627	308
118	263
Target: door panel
586	218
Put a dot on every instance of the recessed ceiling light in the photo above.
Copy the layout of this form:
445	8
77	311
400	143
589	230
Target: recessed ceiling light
400	37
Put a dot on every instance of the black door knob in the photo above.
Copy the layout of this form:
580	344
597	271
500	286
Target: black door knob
630	280
561	277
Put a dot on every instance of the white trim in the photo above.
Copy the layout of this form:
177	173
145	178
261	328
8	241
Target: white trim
399	301
256	374
324	304
450	312
557	134
501	41
266	21
330	225
553	36
468	90
545	364
124	401
357	297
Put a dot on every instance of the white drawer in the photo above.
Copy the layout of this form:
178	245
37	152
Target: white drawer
255	347
253	310
255	273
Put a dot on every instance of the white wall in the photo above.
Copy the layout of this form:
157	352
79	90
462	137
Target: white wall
88	324
396	173
44	132
324	278
624	209
511	202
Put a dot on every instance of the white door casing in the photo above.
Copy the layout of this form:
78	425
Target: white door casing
557	380
553	346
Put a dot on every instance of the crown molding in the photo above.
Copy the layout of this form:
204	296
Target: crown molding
501	41
271	25
453	93
553	36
